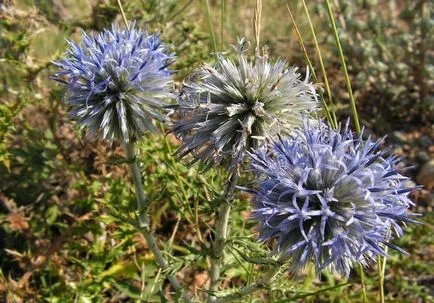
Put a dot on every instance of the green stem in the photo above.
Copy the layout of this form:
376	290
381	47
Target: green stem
142	205
309	62
381	273
263	282
211	30
344	66
222	227
362	278
321	63
144	220
382	269
380	279
222	22
137	180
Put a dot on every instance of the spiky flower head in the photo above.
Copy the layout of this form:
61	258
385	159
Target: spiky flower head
116	82
232	106
329	197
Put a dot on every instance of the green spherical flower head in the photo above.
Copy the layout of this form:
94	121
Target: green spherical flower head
233	106
116	82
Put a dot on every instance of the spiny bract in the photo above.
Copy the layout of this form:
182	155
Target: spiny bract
116	82
329	197
233	106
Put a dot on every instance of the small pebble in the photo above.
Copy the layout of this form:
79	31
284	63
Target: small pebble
423	156
399	137
425	141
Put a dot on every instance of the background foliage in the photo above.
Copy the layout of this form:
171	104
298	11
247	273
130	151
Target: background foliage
66	203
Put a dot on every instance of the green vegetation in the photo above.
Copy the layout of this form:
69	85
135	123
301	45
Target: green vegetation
67	204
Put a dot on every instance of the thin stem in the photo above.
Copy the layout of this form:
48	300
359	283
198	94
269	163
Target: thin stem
309	62
380	279
257	23
142	205
250	279
211	30
180	11
362	278
137	180
381	273
422	53
157	276
321	63
123	15
164	266
144	220
221	233
263	282
344	66
222	22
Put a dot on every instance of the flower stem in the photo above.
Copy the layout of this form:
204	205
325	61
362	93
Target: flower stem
263	282
380	279
137	180
222	226
381	272
143	218
363	282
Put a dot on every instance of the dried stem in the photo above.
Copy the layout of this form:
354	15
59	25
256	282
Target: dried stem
257	24
123	15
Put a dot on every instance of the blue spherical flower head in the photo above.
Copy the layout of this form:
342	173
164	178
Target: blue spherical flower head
232	106
116	82
330	198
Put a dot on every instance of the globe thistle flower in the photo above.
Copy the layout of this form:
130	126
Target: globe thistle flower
116	82
232	106
329	197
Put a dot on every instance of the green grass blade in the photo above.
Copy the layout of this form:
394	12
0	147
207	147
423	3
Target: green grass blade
321	62
309	62
344	66
210	26
222	22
